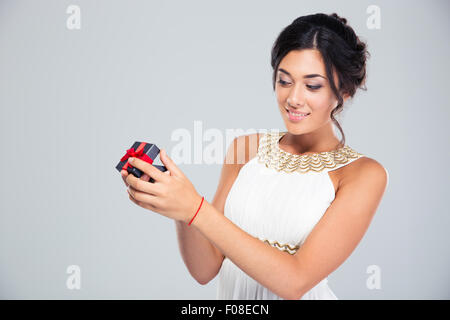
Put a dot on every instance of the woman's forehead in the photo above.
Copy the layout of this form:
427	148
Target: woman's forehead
298	63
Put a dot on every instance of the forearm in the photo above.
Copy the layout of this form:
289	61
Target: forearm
199	255
272	268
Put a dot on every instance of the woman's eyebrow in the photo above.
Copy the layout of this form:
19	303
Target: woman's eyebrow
305	76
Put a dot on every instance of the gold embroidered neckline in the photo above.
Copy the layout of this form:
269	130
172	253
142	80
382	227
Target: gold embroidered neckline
274	157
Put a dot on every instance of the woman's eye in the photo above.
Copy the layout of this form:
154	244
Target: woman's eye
309	86
282	82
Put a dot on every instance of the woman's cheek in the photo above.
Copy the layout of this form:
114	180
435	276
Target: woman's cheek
319	102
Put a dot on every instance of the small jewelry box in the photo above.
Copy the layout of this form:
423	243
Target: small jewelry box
144	151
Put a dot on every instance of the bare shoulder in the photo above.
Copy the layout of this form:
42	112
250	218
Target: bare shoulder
243	149
360	191
365	172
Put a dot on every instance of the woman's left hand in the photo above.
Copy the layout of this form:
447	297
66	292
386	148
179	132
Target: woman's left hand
172	194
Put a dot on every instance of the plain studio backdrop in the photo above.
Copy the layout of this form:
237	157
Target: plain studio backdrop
74	97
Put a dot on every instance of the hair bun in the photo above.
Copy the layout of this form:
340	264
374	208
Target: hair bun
341	19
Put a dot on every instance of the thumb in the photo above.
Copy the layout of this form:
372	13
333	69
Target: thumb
169	164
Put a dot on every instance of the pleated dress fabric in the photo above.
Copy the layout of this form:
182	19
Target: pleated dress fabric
279	197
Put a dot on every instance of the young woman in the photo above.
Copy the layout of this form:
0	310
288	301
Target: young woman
284	220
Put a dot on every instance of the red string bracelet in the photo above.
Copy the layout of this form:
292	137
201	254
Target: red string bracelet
196	212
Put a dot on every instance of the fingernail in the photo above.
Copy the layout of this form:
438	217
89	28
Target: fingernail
130	160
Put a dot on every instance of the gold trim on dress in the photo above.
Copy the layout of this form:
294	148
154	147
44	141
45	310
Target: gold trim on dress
270	154
283	247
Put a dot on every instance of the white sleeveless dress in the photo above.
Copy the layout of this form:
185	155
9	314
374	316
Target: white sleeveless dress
279	197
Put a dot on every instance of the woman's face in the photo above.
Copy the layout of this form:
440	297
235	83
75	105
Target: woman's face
302	86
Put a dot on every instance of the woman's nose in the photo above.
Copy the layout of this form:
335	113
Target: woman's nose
295	98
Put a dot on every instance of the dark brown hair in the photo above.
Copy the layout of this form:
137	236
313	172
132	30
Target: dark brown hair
339	46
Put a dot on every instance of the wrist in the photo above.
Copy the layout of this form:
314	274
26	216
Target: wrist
195	211
203	213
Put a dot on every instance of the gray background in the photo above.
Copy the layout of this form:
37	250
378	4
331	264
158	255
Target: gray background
72	101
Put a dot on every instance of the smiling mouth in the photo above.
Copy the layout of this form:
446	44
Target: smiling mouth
303	115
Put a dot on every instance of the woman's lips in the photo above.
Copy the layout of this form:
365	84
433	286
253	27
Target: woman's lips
295	118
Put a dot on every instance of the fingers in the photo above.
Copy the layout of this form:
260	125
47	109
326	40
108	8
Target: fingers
169	163
143	205
142	199
134	194
147	168
134	200
124	174
143	186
